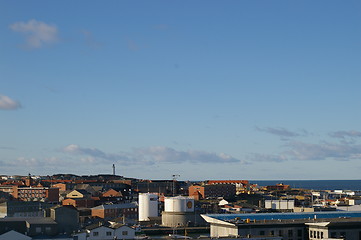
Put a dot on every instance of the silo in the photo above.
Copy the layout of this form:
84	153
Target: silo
174	204
148	206
178	211
179	204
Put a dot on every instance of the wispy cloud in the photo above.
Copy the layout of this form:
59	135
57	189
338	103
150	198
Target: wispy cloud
151	155
39	165
94	153
301	151
281	132
36	162
27	162
7	148
161	27
7	103
267	157
344	134
132	45
90	40
37	34
323	151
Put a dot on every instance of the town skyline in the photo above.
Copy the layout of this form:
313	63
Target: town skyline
207	90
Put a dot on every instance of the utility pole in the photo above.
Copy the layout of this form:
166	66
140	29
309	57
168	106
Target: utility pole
175	176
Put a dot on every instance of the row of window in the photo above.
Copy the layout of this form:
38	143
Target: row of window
32	191
316	234
108	233
31	195
121	210
281	233
23	208
320	235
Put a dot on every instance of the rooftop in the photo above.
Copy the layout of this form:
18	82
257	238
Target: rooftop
286	216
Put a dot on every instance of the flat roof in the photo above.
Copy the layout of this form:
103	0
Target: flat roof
285	216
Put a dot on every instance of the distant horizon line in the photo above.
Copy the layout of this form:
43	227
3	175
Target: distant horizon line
210	179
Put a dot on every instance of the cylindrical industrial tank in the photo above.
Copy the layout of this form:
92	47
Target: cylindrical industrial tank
148	206
179	204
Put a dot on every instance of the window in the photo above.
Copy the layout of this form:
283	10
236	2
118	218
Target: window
280	233
333	234
109	233
261	233
311	234
321	235
272	233
299	233
342	234
95	233
290	233
125	233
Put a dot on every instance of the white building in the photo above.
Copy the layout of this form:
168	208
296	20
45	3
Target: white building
112	232
280	204
148	206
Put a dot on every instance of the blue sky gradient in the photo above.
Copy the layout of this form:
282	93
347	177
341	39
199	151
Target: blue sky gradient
204	89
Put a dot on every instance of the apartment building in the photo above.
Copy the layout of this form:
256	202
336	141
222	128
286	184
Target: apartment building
37	194
212	191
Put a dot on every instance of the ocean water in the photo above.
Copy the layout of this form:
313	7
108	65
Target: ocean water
314	184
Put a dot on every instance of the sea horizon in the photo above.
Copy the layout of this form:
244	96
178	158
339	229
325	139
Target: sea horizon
314	184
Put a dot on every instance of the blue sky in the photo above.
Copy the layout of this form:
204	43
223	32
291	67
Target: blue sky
203	89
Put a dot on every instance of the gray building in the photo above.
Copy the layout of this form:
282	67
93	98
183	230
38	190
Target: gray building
29	226
289	226
67	218
344	228
23	209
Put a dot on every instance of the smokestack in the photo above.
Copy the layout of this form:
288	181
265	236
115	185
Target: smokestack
113	169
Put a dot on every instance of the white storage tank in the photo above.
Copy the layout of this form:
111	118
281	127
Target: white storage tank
179	204
148	206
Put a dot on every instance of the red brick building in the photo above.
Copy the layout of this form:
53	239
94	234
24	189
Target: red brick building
128	210
79	202
242	186
37	193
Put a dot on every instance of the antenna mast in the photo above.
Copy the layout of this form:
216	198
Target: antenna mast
175	176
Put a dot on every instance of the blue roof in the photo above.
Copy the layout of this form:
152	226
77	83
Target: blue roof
283	216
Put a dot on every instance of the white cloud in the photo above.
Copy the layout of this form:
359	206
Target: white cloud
7	103
301	151
28	162
150	155
37	34
323	151
90	40
281	132
344	134
267	157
